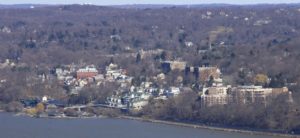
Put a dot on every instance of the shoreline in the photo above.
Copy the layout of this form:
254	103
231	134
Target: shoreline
232	130
180	124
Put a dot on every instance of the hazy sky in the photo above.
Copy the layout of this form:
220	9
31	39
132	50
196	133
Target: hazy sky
116	2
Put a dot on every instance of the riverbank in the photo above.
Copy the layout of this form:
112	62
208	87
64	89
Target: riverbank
62	116
181	124
209	127
28	127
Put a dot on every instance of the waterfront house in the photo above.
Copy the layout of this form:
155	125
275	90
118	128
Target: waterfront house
115	102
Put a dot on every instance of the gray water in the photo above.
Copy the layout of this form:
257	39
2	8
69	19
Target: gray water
26	127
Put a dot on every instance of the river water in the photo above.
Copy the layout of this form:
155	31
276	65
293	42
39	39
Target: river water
26	127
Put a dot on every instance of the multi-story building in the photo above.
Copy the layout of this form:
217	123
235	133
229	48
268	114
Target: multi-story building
220	95
255	94
217	95
87	72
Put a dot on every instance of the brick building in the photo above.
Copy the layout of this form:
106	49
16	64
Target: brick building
87	72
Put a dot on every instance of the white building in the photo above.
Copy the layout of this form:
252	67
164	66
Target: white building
217	95
139	104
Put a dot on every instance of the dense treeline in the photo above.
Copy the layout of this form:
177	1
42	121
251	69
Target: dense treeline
250	44
278	116
242	38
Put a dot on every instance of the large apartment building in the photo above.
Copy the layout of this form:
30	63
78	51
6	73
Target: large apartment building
221	95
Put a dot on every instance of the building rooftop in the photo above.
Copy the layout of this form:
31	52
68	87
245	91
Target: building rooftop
250	87
88	69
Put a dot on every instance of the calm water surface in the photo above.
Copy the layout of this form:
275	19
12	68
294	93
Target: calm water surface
26	127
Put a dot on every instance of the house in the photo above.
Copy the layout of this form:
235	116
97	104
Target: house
58	71
145	96
62	74
189	44
116	102
115	37
83	83
146	84
5	30
7	63
87	72
173	65
69	80
2	81
262	22
202	51
204	73
162	97
136	101
172	91
124	79
44	99
111	66
149	53
113	73
138	104
99	77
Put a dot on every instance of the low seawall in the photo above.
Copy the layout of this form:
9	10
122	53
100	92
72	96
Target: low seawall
210	127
